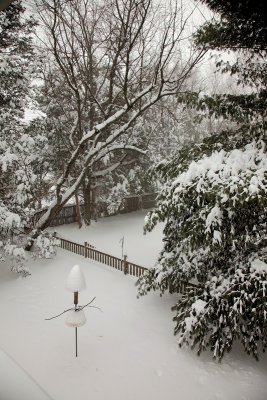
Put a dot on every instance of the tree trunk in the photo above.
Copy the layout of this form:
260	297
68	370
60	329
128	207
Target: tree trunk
94	213
44	223
78	210
87	209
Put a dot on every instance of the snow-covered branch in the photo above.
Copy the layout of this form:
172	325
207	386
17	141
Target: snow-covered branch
116	63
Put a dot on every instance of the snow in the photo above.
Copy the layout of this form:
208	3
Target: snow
125	352
31	114
12	219
199	306
106	235
75	318
76	280
217	237
19	252
189	322
221	165
258	266
214	217
24	388
7	159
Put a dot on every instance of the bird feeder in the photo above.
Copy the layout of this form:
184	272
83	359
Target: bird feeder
75	317
75	284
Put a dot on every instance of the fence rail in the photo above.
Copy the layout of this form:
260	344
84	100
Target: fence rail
87	251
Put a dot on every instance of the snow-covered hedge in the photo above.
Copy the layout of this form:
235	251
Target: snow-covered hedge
214	206
46	245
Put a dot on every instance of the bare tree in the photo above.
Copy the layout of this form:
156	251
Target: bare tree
117	59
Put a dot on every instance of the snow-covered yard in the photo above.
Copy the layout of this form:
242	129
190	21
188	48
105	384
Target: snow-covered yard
127	351
106	235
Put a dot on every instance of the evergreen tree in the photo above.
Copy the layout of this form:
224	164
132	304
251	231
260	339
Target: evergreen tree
22	150
213	204
240	25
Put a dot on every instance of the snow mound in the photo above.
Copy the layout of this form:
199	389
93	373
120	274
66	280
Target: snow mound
76	280
258	266
75	318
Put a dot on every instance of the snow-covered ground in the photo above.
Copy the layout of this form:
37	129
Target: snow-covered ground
127	351
106	235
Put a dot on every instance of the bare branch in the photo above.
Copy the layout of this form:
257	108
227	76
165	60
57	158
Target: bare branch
116	59
79	308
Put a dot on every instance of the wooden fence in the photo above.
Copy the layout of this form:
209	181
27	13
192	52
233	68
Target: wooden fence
88	251
138	202
123	265
68	214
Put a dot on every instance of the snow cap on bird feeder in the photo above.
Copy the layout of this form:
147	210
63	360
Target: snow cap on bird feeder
75	318
76	280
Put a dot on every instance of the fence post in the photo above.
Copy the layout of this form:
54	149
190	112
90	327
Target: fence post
85	249
125	264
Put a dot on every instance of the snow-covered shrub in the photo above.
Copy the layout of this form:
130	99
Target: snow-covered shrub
23	151
214	206
116	196
46	245
11	246
126	183
229	308
15	256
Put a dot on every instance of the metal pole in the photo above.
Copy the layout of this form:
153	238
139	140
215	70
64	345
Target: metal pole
76	341
75	305
122	244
